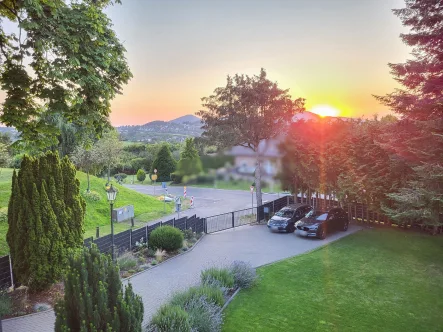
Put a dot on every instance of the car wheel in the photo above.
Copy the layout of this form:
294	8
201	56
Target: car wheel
345	226
322	233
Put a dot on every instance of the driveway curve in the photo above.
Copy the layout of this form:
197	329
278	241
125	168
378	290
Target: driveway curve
253	244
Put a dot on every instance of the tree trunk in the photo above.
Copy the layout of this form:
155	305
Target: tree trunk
295	192
258	181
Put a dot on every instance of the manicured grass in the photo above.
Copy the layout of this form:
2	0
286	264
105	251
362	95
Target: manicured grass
146	208
235	185
375	280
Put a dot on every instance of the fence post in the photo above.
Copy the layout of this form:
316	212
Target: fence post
233	222
130	239
10	272
355	212
132	222
97	232
205	226
161	223
146	234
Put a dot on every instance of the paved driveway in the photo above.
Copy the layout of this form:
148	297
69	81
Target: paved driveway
208	202
254	244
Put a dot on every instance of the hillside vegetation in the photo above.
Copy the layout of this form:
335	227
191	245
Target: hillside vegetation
97	211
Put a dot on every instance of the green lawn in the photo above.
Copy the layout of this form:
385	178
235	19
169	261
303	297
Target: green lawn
374	280
97	213
235	185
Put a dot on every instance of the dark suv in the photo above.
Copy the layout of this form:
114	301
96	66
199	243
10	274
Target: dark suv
321	222
285	219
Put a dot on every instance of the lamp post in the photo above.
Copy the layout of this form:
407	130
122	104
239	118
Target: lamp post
111	192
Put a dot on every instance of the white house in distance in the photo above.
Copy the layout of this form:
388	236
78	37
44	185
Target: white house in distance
245	159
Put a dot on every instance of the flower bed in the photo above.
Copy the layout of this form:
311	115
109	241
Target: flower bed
200	307
20	301
144	257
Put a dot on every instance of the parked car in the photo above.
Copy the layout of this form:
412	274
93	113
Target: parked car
320	223
285	219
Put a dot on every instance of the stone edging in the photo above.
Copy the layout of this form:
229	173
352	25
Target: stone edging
230	299
122	280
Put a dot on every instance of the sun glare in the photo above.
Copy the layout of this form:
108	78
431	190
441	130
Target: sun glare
325	110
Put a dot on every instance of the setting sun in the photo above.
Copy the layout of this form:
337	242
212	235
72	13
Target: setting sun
325	110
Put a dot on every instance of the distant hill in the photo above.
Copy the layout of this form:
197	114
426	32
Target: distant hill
186	119
171	131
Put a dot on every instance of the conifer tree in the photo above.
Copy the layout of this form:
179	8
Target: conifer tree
189	163
164	163
45	219
419	102
94	298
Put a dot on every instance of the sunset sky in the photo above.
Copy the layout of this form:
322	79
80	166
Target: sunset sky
331	52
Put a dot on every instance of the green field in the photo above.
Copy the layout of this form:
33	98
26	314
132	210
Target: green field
235	185
374	280
97	213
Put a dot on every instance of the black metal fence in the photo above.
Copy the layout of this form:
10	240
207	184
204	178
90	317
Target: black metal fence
123	241
126	240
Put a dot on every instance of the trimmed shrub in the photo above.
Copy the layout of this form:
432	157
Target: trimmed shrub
204	316
244	274
220	277
141	175
166	238
212	294
92	196
121	176
170	318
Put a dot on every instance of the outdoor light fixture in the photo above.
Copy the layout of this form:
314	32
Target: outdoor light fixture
111	192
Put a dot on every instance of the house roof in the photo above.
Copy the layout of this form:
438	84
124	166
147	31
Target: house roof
267	148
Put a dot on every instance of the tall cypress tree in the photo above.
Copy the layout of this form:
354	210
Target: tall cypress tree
45	220
94	299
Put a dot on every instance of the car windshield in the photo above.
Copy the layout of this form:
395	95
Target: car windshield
286	213
317	215
322	217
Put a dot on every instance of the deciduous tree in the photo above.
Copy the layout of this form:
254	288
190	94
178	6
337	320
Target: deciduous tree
65	59
247	111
